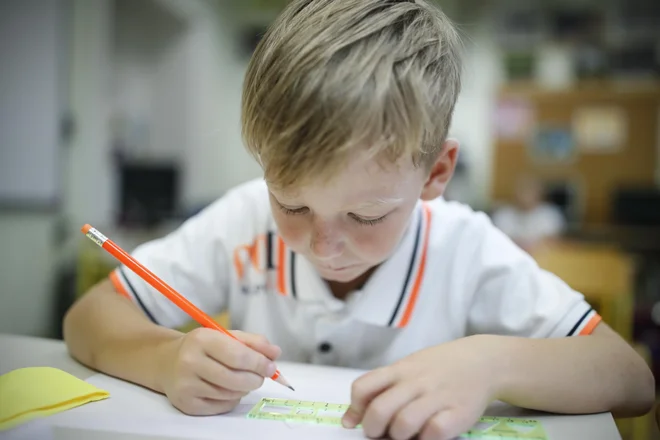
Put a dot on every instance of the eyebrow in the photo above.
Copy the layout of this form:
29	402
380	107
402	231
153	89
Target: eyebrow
372	203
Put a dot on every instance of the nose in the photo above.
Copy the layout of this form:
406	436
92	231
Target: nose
326	242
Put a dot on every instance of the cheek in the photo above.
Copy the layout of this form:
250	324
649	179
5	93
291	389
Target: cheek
376	243
292	229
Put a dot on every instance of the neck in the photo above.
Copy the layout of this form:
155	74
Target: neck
342	290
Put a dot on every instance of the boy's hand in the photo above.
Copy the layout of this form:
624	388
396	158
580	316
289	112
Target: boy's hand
436	393
206	372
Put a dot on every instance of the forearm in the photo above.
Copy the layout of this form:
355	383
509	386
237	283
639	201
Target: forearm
585	374
108	333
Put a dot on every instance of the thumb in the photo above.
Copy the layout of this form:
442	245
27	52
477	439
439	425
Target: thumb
258	343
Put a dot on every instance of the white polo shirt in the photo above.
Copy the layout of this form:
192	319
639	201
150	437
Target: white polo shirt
453	274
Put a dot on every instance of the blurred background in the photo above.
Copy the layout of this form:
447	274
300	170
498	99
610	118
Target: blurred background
125	114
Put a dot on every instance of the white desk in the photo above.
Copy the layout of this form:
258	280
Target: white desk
20	351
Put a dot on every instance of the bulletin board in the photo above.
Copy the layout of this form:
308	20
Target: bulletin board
604	136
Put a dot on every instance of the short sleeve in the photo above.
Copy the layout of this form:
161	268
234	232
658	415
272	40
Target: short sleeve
193	259
514	296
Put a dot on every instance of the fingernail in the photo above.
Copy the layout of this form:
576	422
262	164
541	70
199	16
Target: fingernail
270	369
348	421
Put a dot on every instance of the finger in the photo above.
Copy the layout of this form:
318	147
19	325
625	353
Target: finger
446	425
238	356
207	390
259	343
410	420
206	407
384	407
222	376
364	389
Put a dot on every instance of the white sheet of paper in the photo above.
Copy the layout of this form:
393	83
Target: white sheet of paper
35	429
136	412
317	383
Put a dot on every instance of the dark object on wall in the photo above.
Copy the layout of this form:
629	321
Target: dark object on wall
576	25
565	196
636	207
149	193
637	59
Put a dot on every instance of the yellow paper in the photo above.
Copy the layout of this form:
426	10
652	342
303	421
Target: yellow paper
28	393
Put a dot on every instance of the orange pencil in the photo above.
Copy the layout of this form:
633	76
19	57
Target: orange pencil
202	318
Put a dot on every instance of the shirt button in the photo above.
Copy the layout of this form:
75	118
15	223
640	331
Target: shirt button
325	347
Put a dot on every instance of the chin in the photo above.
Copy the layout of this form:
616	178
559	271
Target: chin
343	276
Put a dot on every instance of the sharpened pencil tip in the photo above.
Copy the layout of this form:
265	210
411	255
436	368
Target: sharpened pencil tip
290	387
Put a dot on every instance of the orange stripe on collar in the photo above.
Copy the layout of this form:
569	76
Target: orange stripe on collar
591	325
410	306
118	285
281	267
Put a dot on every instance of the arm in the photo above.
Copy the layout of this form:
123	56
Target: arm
585	374
203	372
529	340
124	327
107	332
441	391
122	324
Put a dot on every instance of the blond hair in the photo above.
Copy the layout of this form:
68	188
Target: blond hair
331	77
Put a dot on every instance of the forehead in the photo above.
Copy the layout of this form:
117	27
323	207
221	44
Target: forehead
364	178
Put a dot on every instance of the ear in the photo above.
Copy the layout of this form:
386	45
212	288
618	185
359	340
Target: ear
441	171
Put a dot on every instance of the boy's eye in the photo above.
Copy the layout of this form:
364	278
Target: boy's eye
296	211
367	222
356	218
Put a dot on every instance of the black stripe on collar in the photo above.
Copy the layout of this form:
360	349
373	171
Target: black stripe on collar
269	251
137	297
577	324
292	274
413	259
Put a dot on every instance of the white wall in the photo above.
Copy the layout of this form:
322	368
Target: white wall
32	103
191	92
87	160
149	80
473	113
31	43
170	103
217	159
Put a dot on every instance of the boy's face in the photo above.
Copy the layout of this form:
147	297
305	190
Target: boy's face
353	222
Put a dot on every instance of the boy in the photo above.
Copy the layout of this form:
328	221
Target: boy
346	107
530	222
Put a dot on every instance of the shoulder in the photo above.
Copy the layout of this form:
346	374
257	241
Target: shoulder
239	215
251	194
453	221
466	241
250	197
